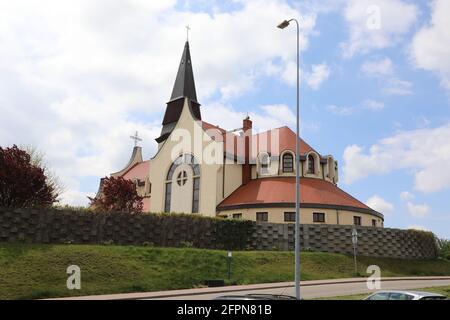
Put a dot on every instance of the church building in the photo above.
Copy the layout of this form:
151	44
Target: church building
203	169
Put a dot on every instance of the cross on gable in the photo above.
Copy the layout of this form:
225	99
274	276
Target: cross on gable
136	139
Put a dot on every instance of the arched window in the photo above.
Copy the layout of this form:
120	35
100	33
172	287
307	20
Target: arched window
311	164
182	179
288	162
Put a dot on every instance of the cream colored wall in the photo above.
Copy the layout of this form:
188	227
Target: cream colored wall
233	179
276	215
366	219
209	174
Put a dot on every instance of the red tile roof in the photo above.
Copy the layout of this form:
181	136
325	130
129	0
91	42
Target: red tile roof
281	191
274	141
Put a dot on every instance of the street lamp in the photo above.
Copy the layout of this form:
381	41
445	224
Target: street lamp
355	243
283	25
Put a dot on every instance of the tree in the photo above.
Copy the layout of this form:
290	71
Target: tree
444	248
38	159
119	195
22	183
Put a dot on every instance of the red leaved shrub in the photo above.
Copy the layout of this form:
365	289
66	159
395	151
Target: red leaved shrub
22	183
117	195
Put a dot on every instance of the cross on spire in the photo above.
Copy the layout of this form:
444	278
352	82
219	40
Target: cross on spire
136	139
188	28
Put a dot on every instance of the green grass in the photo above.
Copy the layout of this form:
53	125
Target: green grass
39	271
440	290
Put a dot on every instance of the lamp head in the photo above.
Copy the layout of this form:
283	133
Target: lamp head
284	24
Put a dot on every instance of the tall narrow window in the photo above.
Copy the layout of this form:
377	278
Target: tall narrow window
288	163
168	197
196	196
357	221
264	162
311	164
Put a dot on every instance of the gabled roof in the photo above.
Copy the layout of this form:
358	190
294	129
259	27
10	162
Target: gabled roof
280	192
138	171
261	142
136	157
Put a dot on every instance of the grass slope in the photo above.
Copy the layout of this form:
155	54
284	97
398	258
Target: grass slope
39	271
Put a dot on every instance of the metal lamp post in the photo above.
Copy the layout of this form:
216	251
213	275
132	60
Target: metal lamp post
283	25
229	257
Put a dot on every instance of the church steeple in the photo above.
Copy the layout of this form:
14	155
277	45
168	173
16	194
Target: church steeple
184	83
183	88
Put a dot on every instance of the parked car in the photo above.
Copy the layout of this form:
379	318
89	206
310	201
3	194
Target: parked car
256	297
405	295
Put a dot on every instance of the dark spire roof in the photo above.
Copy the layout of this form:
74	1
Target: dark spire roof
184	83
184	88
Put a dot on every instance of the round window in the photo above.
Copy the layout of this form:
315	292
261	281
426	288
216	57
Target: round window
182	178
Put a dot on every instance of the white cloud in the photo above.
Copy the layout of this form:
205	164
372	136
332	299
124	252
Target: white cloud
423	152
406	196
340	111
265	118
398	87
373	105
377	24
419	228
318	75
377	68
418	210
430	48
383	70
79	77
379	204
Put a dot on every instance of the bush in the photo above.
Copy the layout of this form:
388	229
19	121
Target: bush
117	195
444	248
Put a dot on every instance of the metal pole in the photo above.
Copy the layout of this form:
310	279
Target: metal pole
297	176
283	25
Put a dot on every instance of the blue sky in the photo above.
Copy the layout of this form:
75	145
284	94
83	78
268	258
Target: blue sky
375	87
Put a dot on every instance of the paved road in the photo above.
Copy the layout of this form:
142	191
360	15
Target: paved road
310	289
327	290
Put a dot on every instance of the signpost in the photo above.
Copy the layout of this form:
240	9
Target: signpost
355	243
